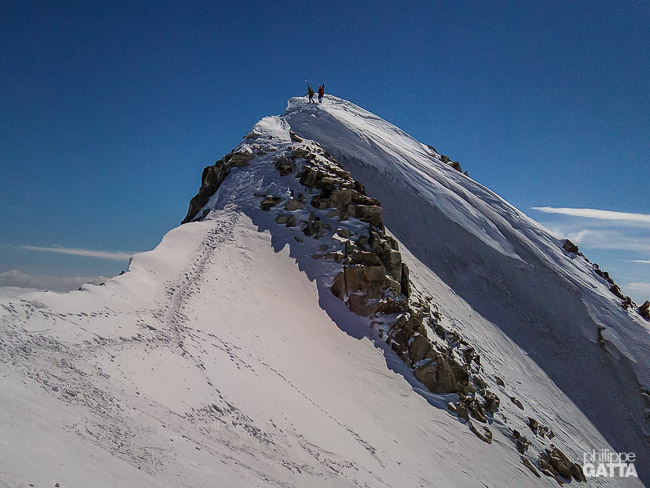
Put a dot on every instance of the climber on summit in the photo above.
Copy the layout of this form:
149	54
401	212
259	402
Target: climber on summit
310	92
321	92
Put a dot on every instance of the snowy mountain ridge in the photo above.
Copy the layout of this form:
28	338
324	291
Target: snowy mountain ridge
285	337
396	166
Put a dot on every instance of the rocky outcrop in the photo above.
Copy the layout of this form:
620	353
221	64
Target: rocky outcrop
521	441
553	462
530	466
626	301
445	159
372	280
485	434
443	374
270	202
211	180
570	247
213	177
644	310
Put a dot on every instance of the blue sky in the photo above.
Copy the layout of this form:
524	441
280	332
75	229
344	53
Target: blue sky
110	110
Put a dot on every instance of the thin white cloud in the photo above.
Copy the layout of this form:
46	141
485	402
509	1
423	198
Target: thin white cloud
15	278
590	213
114	255
602	238
641	261
638	289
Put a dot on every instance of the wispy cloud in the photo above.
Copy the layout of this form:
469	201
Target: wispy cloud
603	238
114	255
619	240
15	278
590	213
639	288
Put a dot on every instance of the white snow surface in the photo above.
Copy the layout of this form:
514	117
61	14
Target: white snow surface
507	267
222	359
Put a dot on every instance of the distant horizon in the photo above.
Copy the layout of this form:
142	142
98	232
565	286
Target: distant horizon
110	113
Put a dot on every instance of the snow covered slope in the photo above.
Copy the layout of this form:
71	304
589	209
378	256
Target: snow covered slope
223	358
507	267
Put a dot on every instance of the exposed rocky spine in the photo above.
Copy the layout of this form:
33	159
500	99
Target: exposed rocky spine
626	302
374	282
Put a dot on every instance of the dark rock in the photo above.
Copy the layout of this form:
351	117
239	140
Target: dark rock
468	356
314	228
240	158
393	262
419	348
375	274
616	290
463	413
530	466
411	325
361	199
388	306
521	441
300	153
480	383
627	303
211	179
570	247
282	219
320	202
354	278
367	258
338	286
309	176
492	401
341	198
368	213
369	279
406	285
359	304
284	166
394	285
269	202
476	409
577	473
555	461
455	165
294	205
485	435
443	375
517	402
644	310
499	381
294	136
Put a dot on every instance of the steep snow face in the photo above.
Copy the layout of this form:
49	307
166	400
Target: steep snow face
223	357
505	266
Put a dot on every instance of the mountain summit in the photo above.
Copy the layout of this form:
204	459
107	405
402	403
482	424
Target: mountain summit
342	307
